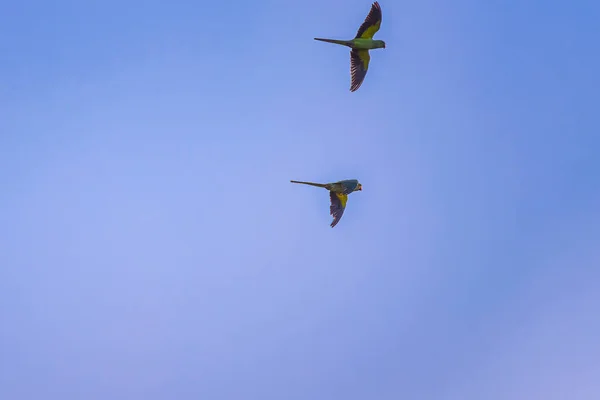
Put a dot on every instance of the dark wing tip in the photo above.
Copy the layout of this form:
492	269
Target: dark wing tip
377	8
355	86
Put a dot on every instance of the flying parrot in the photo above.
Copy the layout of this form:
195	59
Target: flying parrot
360	45
338	193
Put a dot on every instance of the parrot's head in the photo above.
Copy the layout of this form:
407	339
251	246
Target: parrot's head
379	44
359	186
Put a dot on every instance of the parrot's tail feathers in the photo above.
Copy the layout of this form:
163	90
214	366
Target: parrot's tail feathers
321	185
334	41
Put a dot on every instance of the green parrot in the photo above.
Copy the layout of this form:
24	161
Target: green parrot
338	193
360	45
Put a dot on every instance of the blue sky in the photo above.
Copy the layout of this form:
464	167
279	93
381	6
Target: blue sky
152	247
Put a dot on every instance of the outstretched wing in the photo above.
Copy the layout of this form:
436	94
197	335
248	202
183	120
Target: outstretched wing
338	205
359	64
372	23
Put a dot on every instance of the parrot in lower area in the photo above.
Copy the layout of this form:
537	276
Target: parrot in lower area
338	193
360	45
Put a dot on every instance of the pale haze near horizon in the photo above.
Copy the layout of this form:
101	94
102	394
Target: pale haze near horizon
152	247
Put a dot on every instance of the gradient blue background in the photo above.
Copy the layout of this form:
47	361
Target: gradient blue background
152	247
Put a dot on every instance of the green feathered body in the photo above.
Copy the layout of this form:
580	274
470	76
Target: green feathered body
347	186
367	44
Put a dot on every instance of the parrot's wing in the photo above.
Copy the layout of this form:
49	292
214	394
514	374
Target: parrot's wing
372	23
338	205
359	64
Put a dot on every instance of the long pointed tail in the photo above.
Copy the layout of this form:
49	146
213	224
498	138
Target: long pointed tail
342	42
321	185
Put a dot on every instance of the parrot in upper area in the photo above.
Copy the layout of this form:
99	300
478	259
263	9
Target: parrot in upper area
338	193
360	45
